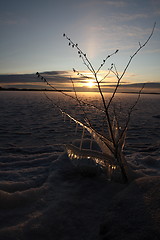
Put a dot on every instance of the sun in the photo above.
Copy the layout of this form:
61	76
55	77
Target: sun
90	84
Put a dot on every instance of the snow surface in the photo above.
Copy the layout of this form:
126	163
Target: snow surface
43	196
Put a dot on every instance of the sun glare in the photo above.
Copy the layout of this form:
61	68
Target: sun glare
90	84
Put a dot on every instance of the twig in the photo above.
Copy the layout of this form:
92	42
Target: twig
131	110
125	69
66	94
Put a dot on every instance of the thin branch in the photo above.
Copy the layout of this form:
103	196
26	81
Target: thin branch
81	54
106	111
109	71
117	74
140	47
115	90
81	74
131	110
80	104
66	94
117	138
92	131
104	61
131	58
91	68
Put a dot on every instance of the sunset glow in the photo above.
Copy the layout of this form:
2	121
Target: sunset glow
90	84
79	119
30	43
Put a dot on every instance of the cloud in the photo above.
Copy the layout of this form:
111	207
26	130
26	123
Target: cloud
151	87
58	78
103	3
8	22
114	3
54	77
157	12
18	78
61	80
129	17
127	40
53	73
125	29
8	19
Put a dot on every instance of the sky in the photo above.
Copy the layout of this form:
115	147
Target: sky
32	40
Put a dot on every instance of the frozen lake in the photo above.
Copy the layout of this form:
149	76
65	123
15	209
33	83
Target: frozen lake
32	137
29	122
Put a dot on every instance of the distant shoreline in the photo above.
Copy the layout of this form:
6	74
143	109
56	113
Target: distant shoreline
141	92
63	90
32	89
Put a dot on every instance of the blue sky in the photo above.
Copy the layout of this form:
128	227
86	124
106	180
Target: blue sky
31	37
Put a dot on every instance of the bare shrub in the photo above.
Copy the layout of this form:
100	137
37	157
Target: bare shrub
111	157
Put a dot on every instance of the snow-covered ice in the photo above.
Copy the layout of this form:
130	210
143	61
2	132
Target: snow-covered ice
43	196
